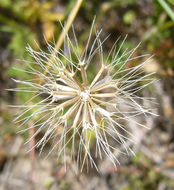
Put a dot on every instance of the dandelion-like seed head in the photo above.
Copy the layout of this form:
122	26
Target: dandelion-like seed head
84	115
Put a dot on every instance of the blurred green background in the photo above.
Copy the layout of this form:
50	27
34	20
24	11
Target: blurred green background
151	22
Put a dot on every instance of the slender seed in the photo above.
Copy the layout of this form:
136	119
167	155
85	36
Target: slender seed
104	103
73	78
71	110
64	93
67	103
77	117
91	103
69	82
102	86
63	87
84	76
97	76
86	112
77	81
104	95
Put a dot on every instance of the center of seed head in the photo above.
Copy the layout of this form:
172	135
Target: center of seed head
85	95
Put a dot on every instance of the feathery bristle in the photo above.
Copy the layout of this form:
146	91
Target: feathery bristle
77	113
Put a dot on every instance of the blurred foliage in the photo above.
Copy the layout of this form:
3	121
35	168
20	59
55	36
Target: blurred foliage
143	177
22	20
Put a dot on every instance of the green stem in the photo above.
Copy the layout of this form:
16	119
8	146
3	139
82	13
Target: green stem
167	8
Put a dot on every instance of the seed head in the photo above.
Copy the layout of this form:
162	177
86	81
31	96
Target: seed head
84	115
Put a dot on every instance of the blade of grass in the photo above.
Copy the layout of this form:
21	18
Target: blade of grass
167	8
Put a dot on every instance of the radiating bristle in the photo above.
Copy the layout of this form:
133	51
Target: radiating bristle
81	113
